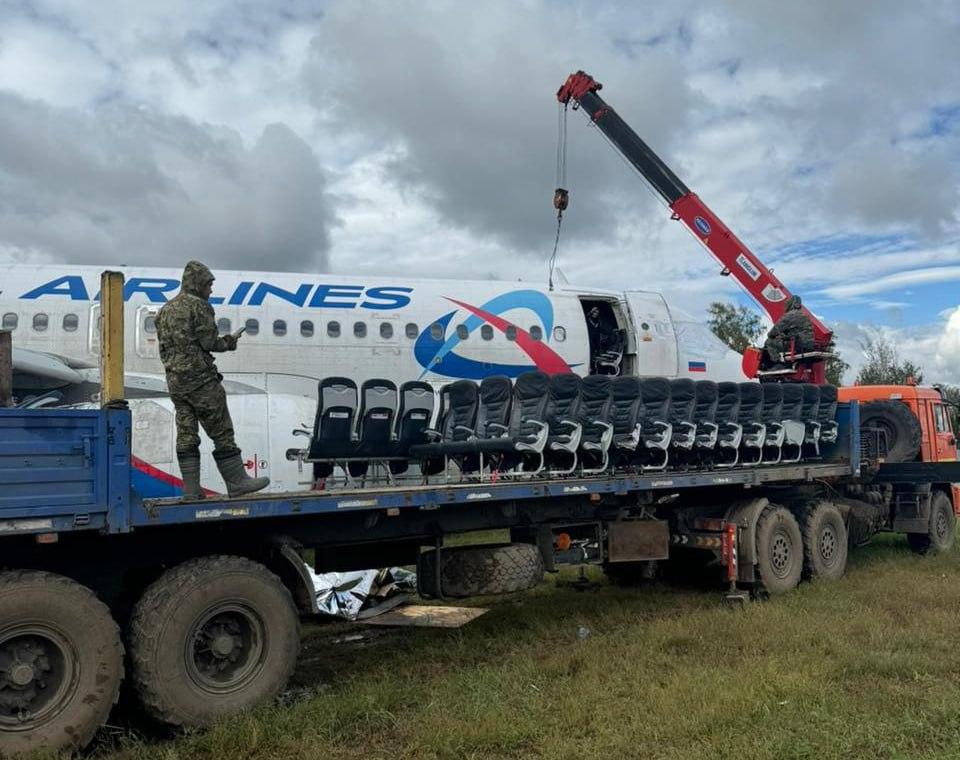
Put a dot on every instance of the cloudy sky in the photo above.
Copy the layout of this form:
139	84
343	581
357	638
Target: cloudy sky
418	138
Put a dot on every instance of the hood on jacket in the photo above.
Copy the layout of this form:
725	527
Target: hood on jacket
196	277
793	303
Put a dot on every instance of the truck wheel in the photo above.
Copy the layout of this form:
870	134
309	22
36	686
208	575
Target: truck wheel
211	637
942	530
779	550
482	570
900	425
824	542
61	663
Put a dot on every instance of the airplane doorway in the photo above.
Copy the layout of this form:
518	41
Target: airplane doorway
608	340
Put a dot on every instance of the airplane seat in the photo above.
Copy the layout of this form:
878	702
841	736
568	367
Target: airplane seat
810	415
626	415
656	430
704	416
683	401
595	424
457	423
563	426
608	361
333	426
493	416
827	413
750	418
417	401
528	428
794	427
378	410
729	429
772	417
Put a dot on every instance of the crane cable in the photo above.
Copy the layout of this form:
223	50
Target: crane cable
561	197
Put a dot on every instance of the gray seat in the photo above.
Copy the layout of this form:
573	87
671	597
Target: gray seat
772	418
810	415
417	401
750	420
704	417
564	428
656	431
595	425
729	429
794	427
827	414
522	448
683	402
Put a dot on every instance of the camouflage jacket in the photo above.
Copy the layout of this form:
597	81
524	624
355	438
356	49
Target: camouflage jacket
187	331
795	326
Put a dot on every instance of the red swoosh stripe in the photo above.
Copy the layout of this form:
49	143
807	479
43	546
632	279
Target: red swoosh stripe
546	359
164	477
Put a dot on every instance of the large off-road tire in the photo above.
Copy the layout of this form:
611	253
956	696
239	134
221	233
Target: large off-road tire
482	570
211	637
900	425
825	543
779	550
942	530
61	663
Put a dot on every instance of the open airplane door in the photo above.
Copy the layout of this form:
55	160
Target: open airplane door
651	339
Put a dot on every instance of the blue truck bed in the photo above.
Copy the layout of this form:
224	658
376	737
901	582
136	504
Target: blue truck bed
69	470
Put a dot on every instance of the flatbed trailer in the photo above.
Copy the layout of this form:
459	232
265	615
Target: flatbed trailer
206	595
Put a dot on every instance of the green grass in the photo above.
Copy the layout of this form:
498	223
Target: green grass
866	667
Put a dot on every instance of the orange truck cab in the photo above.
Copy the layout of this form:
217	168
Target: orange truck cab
938	442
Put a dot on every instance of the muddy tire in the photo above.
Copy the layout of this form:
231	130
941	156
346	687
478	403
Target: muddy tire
942	531
482	570
211	637
901	427
61	663
825	543
779	550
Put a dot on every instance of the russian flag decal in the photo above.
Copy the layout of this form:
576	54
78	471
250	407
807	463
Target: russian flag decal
696	366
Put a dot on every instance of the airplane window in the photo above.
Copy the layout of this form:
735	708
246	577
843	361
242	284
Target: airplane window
486	332
536	332
149	324
333	329
279	327
71	322
436	331
40	322
511	333
559	334
10	321
223	325
253	326
360	329
386	330
462	332
306	328
412	330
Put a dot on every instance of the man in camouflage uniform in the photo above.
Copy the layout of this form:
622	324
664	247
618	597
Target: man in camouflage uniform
187	331
794	326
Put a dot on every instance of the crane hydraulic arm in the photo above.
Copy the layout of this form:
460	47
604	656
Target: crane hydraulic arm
736	258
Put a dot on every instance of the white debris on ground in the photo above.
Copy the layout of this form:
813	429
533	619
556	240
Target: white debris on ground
350	595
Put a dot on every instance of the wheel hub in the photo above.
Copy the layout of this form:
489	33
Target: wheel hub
941	524
37	677
828	544
780	550
226	649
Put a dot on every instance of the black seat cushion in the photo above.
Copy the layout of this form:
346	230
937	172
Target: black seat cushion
707	398
728	402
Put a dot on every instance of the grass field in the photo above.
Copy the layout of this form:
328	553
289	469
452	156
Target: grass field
867	667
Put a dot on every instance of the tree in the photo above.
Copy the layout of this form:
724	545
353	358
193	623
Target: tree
836	367
883	365
737	326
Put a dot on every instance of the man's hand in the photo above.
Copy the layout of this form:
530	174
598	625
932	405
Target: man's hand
236	335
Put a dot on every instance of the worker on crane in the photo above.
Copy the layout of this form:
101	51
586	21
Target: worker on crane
793	332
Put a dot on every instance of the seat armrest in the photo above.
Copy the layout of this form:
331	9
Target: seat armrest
538	423
598	423
686	427
710	427
464	427
498	426
431	433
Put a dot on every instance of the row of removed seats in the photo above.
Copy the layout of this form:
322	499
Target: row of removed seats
563	422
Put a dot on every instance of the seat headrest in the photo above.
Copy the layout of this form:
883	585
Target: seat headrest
683	389
793	393
566	385
772	391
811	393
462	393
626	388
828	393
495	389
532	384
706	390
595	387
655	389
751	393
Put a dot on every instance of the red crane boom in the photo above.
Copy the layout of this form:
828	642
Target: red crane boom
737	259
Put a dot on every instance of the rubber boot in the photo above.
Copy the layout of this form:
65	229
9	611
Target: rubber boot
235	475
190	472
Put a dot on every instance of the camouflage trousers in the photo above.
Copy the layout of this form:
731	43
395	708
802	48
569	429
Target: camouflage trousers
206	406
